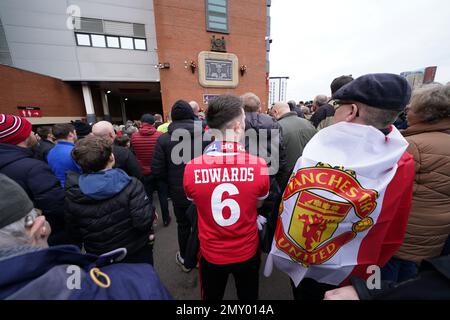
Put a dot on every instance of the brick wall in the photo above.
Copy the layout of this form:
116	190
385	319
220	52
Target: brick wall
181	35
55	97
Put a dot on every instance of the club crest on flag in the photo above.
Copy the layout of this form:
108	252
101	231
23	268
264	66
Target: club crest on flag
310	237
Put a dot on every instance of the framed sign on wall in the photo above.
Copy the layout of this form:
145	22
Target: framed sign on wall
218	70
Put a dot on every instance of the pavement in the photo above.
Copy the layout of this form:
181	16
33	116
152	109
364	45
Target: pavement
186	286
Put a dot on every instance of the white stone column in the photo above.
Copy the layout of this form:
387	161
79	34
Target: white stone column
88	103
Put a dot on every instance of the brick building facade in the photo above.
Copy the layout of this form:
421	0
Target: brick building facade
50	66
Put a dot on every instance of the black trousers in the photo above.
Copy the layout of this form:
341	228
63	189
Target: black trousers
310	290
214	278
143	255
183	226
152	184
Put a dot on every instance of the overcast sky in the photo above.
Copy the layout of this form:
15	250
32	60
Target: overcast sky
315	41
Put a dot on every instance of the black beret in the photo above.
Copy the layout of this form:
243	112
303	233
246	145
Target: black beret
380	90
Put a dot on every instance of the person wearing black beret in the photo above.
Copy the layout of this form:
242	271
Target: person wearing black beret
335	238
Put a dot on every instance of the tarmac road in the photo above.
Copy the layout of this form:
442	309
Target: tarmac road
185	286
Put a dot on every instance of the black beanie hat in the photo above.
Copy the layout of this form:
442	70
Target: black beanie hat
83	129
14	204
182	110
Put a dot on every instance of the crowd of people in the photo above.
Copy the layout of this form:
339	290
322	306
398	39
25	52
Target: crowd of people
327	188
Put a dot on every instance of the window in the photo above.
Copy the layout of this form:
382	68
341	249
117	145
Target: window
126	43
217	15
139	44
110	41
113	42
98	41
83	39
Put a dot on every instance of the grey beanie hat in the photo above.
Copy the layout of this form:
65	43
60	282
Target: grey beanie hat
14	202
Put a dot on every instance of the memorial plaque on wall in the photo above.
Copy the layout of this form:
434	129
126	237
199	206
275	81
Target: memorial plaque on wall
218	70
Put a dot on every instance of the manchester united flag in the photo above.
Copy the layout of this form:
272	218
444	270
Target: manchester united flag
346	205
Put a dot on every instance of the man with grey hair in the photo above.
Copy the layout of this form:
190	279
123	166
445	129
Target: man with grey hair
63	272
263	136
324	107
195	107
125	159
322	110
296	134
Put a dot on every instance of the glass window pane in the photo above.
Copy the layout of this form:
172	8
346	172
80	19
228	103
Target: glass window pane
113	42
218	19
83	39
126	43
218	2
139	44
98	41
219	26
217	9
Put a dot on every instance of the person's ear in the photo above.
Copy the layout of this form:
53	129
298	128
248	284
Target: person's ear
111	158
353	114
39	232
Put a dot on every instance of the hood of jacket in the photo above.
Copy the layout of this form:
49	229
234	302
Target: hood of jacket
103	185
10	153
147	130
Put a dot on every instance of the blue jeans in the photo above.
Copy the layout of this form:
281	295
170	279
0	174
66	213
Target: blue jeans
398	270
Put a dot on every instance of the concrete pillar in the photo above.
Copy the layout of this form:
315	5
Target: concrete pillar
88	103
124	113
105	105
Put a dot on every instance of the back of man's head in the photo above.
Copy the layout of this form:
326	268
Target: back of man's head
280	109
62	131
92	154
251	102
339	83
321	100
223	110
158	117
195	107
379	97
148	118
82	128
44	131
104	129
292	105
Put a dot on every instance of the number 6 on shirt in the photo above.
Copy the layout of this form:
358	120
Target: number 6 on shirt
217	205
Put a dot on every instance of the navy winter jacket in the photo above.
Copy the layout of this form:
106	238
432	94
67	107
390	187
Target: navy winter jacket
41	185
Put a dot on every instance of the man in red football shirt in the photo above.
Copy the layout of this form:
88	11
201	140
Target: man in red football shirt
227	185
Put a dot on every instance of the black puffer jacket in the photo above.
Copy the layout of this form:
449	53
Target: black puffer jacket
126	160
255	123
163	166
42	149
121	221
41	185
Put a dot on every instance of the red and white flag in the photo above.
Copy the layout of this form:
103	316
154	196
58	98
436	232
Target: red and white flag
346	205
